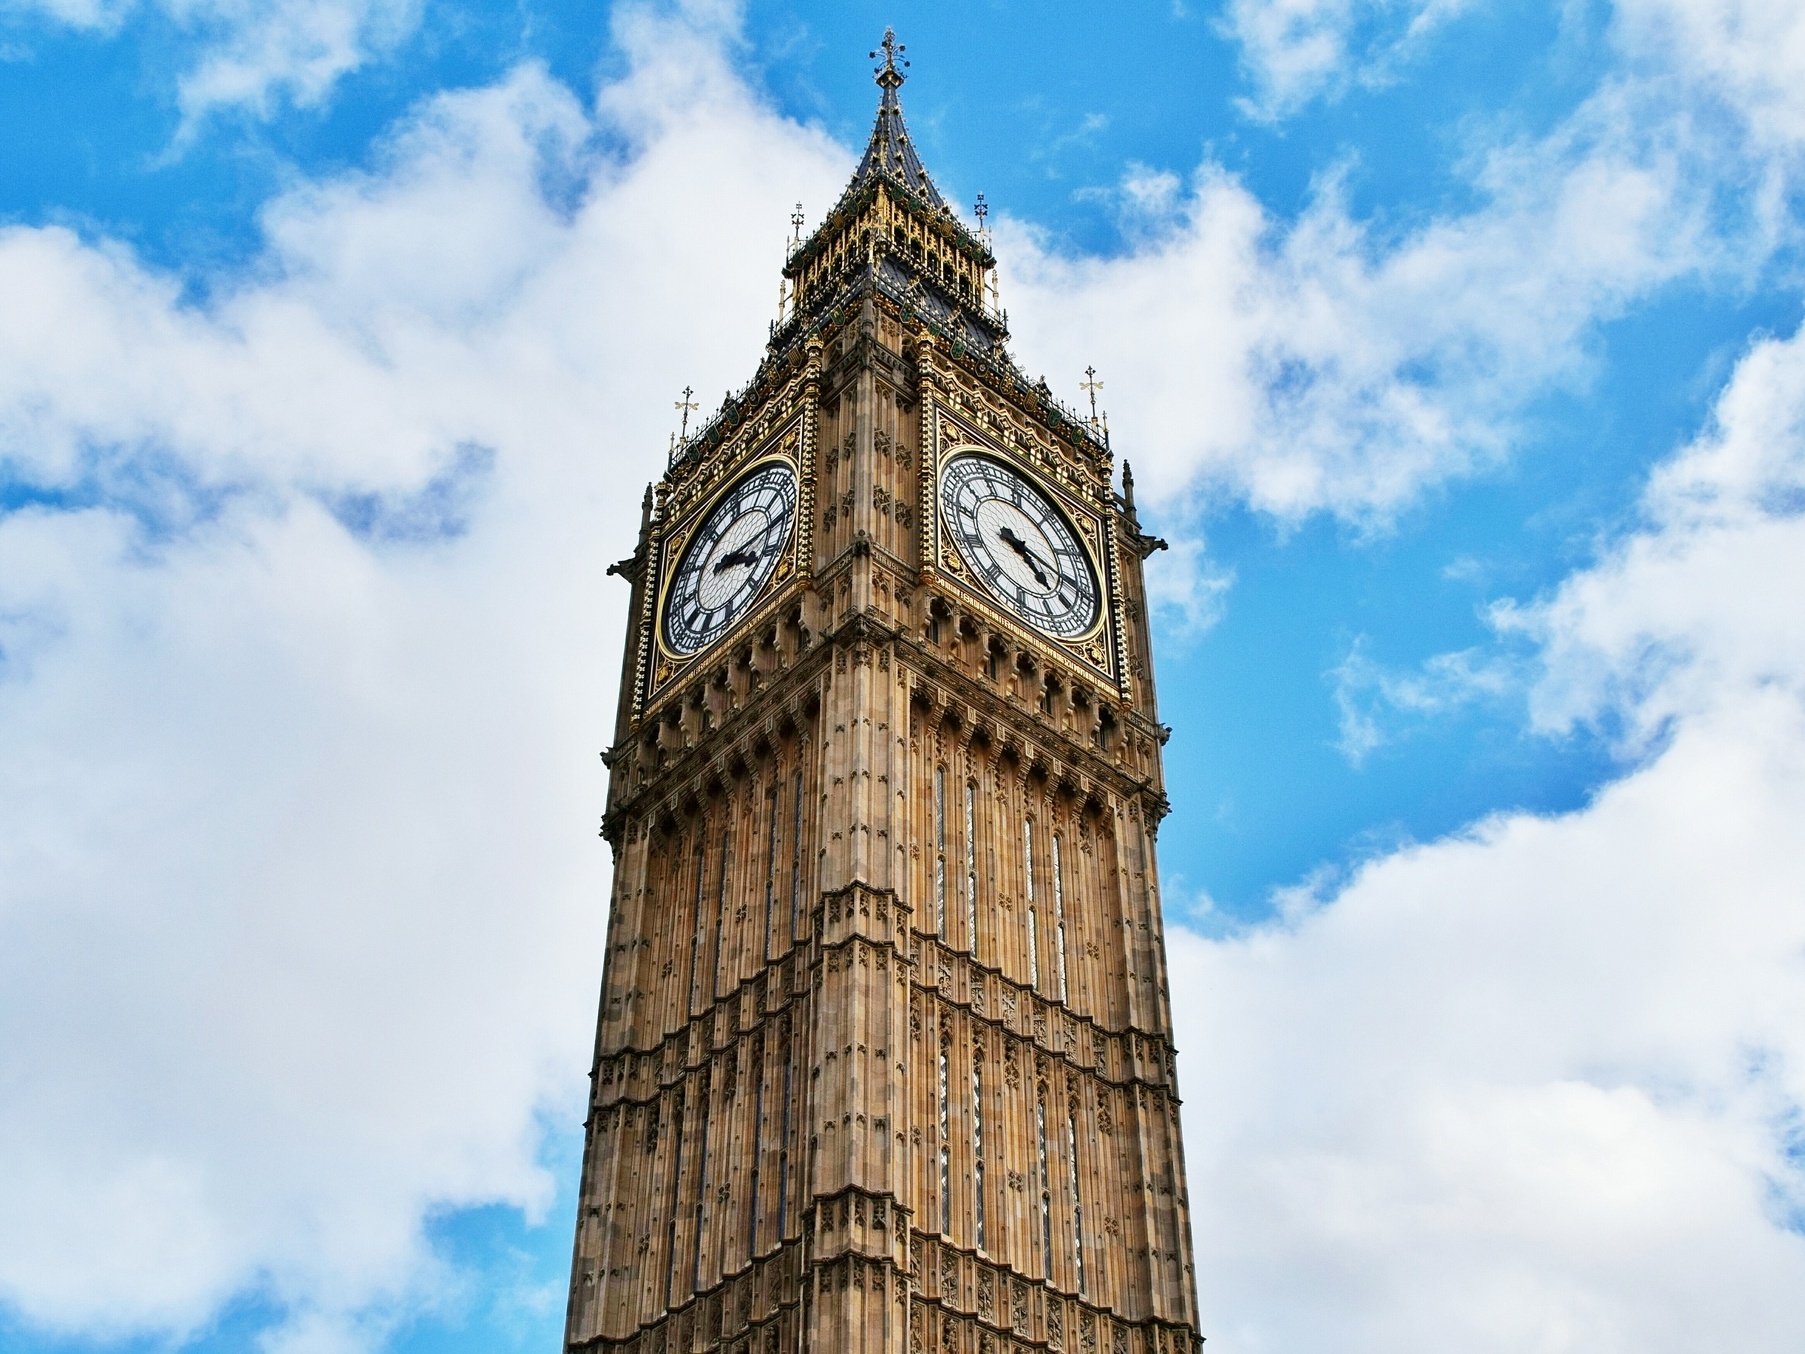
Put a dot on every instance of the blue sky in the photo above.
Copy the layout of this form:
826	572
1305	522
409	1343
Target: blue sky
1457	349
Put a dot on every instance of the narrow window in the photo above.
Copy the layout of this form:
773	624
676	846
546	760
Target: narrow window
971	868
670	1212
1046	1185
783	1148
1033	919
695	935
940	852
1059	915
796	859
977	1141
770	865
720	911
695	1282
758	1141
1071	1143
946	1148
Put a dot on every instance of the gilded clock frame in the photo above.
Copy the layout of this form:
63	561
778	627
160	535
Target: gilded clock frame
1098	650
666	665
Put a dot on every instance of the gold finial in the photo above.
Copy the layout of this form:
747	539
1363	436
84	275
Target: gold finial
888	76
686	404
1093	385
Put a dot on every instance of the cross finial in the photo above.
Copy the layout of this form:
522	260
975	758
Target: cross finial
796	220
1093	385
686	404
889	77
983	212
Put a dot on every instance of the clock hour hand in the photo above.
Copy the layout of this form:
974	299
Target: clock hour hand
733	557
1017	544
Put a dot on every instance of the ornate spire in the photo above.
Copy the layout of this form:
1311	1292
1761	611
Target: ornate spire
891	152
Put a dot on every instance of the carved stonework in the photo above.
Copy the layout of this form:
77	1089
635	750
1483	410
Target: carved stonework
834	1028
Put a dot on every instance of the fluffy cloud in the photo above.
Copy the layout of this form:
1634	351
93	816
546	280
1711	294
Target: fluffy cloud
1295	50
1311	366
1330	363
303	672
1748	54
306	657
1370	700
250	53
1538	1086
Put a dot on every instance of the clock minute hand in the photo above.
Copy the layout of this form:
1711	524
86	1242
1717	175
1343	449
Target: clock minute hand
1017	544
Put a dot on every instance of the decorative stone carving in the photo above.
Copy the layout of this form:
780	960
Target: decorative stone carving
815	916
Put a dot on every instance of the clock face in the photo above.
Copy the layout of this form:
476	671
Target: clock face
1020	545
730	558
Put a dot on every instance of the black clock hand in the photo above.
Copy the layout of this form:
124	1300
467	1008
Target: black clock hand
733	557
1017	544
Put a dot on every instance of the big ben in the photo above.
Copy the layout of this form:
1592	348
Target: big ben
884	1057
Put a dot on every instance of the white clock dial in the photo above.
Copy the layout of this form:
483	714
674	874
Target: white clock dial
730	558
1019	545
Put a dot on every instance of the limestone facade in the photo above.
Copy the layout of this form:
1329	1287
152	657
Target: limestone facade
884	1056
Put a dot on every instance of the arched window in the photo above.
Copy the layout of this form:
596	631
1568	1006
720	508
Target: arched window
1028	895
670	1212
1046	1182
940	852
1059	916
1071	1141
977	1140
783	1143
796	856
695	935
720	909
971	868
758	1142
770	863
946	1141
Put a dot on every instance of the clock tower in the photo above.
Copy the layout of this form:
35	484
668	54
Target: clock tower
884	1059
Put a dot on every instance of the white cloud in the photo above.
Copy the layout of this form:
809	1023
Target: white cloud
1538	1086
1332	363
254	51
1375	704
1749	54
1314	367
250	54
1296	50
299	888
305	664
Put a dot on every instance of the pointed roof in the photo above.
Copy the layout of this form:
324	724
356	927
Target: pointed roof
891	151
